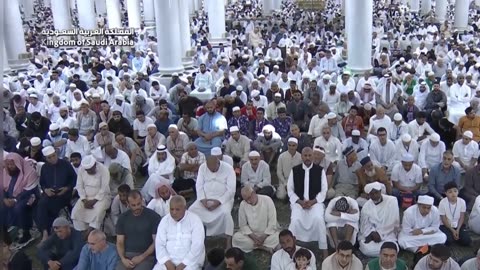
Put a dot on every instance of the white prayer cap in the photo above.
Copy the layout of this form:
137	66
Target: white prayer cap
355	132
33	96
63	107
406	137
35	141
261	76
102	124
331	115
161	148
172	126
407	157
120	97
236	108
326	77
305	76
73	85
88	162
435	137
253	154
423	83
47	151
151	126
477	65
402	59
292	139
234	129
38	74
216	151
277	95
49	91
367	107
53	126
256	93
385	76
84	102
468	134
96	95
269	128
245	48
239	88
25	83
261	62
318	149
276	67
431	73
374	186
184	80
397	117
425	199
125	65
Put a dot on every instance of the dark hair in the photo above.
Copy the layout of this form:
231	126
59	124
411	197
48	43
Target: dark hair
345	245
468	110
36	116
215	256
235	253
226	80
103	101
421	114
73	132
155	83
75	155
261	109
124	188
76	76
440	251
381	129
285	233
303	252
140	113
450	185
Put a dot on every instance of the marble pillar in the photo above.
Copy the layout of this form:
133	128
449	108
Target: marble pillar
148	12
358	26
114	18
426	7
133	10
86	14
267	7
414	5
216	21
441	7
185	36
167	24
28	9
461	15
277	4
13	33
101	7
61	14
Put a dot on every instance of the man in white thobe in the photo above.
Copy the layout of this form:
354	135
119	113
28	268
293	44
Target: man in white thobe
465	151
421	225
431	153
342	216
286	161
256	173
94	191
382	151
114	155
379	220
215	195
306	195
180	238
257	221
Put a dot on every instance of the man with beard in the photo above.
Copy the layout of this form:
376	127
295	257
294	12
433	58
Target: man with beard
388	259
94	192
343	258
20	181
369	173
65	120
39	125
57	139
307	195
211	129
379	220
272	108
136	230
345	181
283	258
438	259
120	124
268	144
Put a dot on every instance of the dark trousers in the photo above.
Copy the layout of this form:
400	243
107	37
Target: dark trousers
463	236
48	209
181	184
20	215
45	255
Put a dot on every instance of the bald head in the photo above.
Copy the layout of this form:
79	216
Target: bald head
213	163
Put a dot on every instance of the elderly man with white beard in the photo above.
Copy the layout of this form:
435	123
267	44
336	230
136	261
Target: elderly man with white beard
421	225
307	195
215	195
379	220
179	243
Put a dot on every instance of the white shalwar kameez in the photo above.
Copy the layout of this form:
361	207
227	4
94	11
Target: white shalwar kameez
344	218
383	218
180	242
259	219
412	219
308	224
458	101
92	186
429	155
474	218
219	185
465	152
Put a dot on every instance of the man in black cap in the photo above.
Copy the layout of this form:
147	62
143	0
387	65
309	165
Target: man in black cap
345	181
388	259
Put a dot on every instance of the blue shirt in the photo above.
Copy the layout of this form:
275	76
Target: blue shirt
438	178
105	260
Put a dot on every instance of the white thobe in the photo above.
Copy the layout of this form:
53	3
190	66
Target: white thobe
458	100
344	218
262	102
81	146
259	219
465	152
122	158
415	130
383	218
396	131
92	186
383	155
376	123
412	220
429	155
219	185
281	260
412	149
474	218
316	125
164	168
308	224
180	242
160	206
420	98
40	107
333	147
285	164
260	177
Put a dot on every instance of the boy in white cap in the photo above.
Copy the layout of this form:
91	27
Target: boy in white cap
256	173
465	151
421	225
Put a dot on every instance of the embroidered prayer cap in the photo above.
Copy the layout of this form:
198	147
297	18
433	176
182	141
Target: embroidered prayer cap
161	148
236	108
234	129
406	137
293	140
254	154
374	186
35	141
397	117
435	137
425	199
216	151
341	205
47	151
88	162
468	134
407	157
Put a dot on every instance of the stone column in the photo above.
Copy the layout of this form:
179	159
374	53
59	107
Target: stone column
426	7
461	15
358	26
61	14
477	3
47	3
267	7
186	45
13	33
133	9
414	5
441	7
277	4
114	18
167	23
216	21
4	67
28	9
86	14
101	7
148	12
